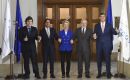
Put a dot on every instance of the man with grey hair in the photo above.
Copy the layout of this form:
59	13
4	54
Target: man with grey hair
83	36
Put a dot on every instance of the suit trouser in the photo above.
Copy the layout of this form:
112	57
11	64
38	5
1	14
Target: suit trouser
48	56
107	54
33	57
83	56
65	55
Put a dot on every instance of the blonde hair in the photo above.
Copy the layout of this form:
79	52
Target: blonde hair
66	21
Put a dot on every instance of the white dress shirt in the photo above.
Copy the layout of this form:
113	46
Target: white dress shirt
83	30
103	26
47	31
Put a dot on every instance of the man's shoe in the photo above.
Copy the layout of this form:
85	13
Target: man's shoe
45	76
79	76
67	75
38	76
98	76
52	76
63	76
87	76
109	77
26	77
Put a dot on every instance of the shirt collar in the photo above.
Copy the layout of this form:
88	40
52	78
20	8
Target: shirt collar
103	23
47	28
83	28
28	27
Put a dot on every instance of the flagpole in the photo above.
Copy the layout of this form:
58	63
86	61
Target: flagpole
117	75
0	54
21	75
122	74
11	76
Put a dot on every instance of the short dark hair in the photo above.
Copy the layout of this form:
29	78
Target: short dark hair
28	18
46	20
102	14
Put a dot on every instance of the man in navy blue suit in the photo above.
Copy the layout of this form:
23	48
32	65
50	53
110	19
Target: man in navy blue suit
103	33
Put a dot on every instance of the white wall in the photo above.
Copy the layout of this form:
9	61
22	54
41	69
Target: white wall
28	8
116	9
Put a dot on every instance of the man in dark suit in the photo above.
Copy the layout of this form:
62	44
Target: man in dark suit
104	43
83	36
27	35
48	35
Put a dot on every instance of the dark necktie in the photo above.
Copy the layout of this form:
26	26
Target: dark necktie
83	30
29	31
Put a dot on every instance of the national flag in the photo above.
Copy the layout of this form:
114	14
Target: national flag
19	24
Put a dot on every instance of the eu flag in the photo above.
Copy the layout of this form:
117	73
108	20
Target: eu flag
19	24
109	18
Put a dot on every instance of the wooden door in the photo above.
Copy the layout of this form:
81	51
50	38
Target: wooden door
59	11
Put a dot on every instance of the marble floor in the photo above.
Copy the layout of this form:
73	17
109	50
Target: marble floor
73	72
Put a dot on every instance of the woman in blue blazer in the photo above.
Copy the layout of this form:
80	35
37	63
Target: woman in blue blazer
65	48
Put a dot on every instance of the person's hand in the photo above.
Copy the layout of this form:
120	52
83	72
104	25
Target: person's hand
26	38
71	41
94	36
39	38
59	40
117	30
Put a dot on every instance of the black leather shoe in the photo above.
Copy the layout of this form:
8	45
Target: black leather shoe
52	76
109	77
79	76
87	76
38	76
63	76
67	75
26	77
45	76
98	76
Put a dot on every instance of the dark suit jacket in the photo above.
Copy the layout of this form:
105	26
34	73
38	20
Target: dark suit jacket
28	46
48	42
83	44
104	39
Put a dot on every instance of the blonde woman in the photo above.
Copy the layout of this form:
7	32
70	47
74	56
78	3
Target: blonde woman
65	48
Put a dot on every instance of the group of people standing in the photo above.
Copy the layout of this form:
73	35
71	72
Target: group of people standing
103	33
